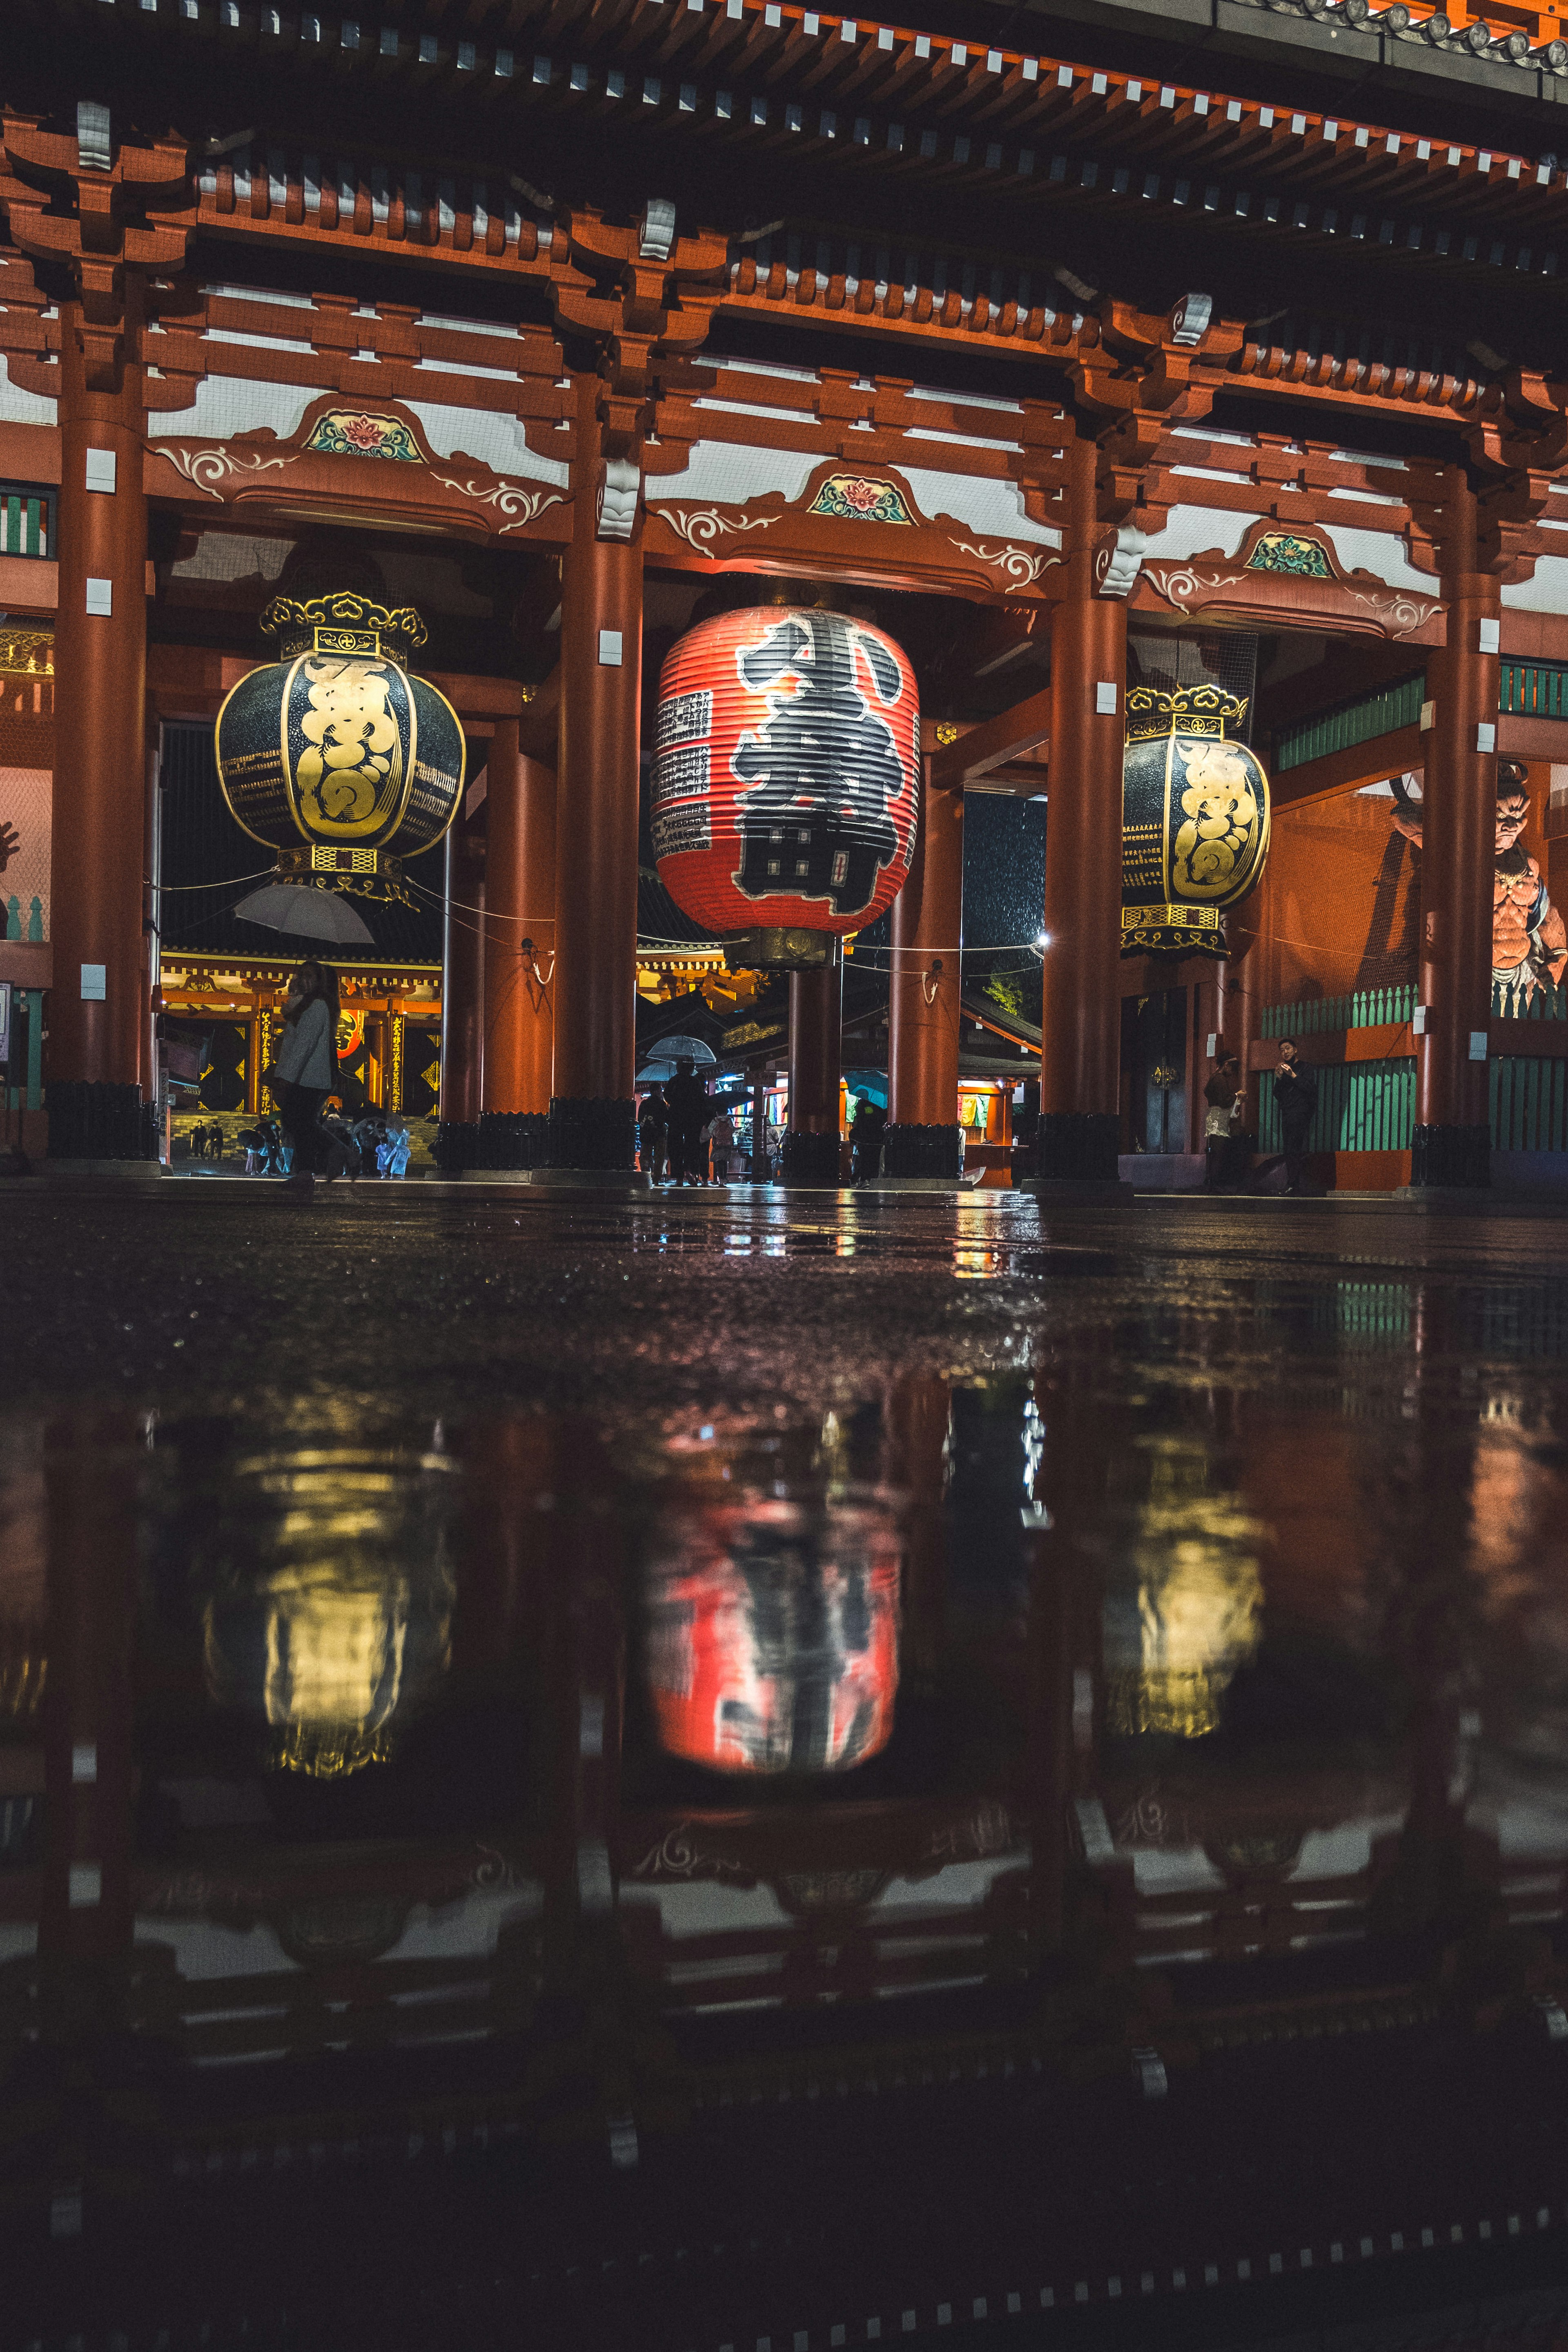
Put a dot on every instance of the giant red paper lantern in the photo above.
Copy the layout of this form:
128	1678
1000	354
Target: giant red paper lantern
785	778
773	1636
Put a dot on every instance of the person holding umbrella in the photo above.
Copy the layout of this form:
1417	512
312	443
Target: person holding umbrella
307	1068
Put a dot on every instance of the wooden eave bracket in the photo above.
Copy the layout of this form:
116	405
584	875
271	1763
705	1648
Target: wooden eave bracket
993	743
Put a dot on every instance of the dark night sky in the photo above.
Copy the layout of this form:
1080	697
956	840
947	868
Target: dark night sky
1004	869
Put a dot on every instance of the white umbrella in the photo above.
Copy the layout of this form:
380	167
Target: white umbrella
306	914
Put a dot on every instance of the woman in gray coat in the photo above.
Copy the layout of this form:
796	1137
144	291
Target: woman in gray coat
306	1067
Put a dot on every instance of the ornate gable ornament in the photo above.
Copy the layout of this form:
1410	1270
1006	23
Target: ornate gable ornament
411	477
861	497
362	433
1283	576
1291	551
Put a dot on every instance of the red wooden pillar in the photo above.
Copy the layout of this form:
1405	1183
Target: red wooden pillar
1452	1144
592	1115
461	1000
1081	1052
922	1138
98	1000
519	952
816	1070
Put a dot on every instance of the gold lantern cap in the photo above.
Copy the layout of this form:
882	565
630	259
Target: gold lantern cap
1189	710
343	623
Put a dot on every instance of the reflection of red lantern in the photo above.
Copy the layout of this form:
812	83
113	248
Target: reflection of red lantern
773	1643
785	783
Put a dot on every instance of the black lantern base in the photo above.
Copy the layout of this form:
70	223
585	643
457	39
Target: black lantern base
915	1150
1078	1147
456	1146
1457	1159
512	1138
807	1158
592	1131
94	1119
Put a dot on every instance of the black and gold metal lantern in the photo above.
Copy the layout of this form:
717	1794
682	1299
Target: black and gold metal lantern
1194	820
334	755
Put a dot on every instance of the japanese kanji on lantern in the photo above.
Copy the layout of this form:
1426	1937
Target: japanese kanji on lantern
1194	820
786	778
335	756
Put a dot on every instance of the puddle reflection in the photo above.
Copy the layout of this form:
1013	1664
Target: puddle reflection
605	1768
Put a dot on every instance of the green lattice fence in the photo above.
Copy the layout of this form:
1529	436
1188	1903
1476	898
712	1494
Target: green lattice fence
1528	1103
1366	1008
1362	1106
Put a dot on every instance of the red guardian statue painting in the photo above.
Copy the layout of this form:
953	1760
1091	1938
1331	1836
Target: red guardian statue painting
1530	941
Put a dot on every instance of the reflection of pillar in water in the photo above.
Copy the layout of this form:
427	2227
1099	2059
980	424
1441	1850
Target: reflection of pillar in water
1067	1442
919	1424
91	1473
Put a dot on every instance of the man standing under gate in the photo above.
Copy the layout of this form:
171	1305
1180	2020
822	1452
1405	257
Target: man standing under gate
1296	1093
686	1099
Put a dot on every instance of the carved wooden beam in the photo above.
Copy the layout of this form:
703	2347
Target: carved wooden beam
992	744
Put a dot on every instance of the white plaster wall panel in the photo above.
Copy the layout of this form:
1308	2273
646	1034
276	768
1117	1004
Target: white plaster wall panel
19	408
965	400
1194	530
1172	1870
205	1949
727	473
961	440
496	440
993	508
956	1886
225	405
1546	592
761	367
707	1907
469	1928
261	294
1381	553
751	408
1345	1851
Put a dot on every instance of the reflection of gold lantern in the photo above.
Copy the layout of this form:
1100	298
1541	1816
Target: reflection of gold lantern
335	756
1176	1632
332	1615
1194	820
773	1641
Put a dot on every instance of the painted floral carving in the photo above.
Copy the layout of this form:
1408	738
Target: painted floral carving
356	433
851	498
1287	551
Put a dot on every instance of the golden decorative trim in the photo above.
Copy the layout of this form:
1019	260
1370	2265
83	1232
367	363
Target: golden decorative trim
343	623
1189	710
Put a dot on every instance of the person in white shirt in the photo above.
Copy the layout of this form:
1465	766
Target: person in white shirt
307	1068
720	1133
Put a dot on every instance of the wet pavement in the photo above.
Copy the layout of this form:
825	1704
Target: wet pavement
723	1772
